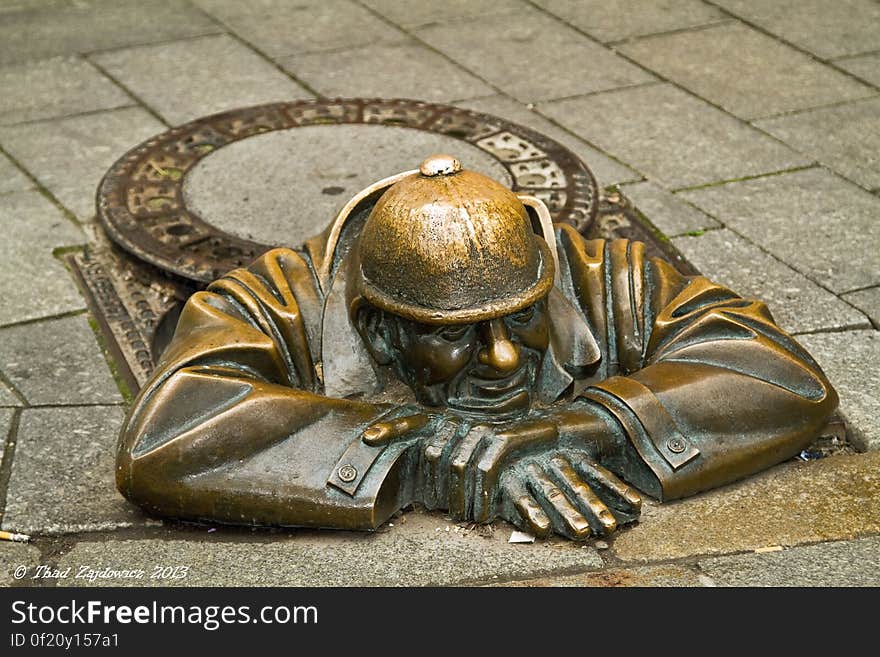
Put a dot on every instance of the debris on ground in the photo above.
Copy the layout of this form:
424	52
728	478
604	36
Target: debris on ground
520	537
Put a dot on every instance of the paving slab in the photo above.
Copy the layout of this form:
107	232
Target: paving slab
866	67
425	550
31	32
532	56
771	77
851	359
669	213
57	361
221	74
868	301
281	28
791	504
5	424
644	576
11	177
70	156
814	221
55	87
405	70
672	137
607	170
846	563
62	477
8	399
797	303
12	556
614	20
416	14
34	283
844	138
827	29
242	189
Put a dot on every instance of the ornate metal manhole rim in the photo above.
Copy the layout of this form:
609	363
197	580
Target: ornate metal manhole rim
141	205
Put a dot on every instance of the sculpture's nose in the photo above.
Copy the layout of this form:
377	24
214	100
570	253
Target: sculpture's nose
498	352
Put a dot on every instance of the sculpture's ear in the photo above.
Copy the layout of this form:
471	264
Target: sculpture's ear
373	326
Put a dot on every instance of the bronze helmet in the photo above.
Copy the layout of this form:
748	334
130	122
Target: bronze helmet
445	245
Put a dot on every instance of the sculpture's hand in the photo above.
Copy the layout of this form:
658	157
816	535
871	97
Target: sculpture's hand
569	494
381	433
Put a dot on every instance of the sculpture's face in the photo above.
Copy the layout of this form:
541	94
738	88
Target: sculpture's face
486	368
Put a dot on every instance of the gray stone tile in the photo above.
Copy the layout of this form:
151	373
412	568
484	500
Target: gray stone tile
797	303
851	360
70	156
868	301
11	178
613	20
814	221
666	211
416	14
846	563
7	399
5	423
242	189
53	88
57	361
644	576
795	503
423	551
866	67
607	170
671	136
828	29
63	473
406	70
14	555
34	283
221	74
845	138
281	28
30	32
532	56
770	78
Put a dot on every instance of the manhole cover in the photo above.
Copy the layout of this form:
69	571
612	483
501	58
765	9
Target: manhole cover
211	195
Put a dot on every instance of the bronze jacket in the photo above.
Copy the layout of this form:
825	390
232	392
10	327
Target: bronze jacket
266	385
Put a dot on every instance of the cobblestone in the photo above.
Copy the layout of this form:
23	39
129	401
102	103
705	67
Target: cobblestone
561	62
221	74
57	361
868	301
53	88
866	67
672	137
666	211
55	490
11	179
70	156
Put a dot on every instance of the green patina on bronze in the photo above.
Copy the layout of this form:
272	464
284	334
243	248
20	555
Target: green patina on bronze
317	388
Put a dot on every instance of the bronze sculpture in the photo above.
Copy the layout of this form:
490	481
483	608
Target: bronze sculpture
443	343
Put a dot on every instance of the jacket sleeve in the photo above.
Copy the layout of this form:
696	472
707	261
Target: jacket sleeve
232	426
706	388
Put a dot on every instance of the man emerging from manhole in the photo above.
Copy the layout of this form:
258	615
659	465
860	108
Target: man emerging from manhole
432	347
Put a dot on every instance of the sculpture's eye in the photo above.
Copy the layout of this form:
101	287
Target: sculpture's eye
454	333
523	316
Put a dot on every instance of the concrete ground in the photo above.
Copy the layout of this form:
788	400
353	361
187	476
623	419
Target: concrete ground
748	131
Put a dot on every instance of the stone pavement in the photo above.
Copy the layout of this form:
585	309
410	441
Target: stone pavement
747	131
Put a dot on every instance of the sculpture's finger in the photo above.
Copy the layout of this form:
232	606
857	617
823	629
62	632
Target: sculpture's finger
504	444
531	516
601	519
437	452
460	483
621	497
567	520
381	433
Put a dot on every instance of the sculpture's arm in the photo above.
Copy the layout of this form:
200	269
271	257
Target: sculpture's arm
707	388
231	428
